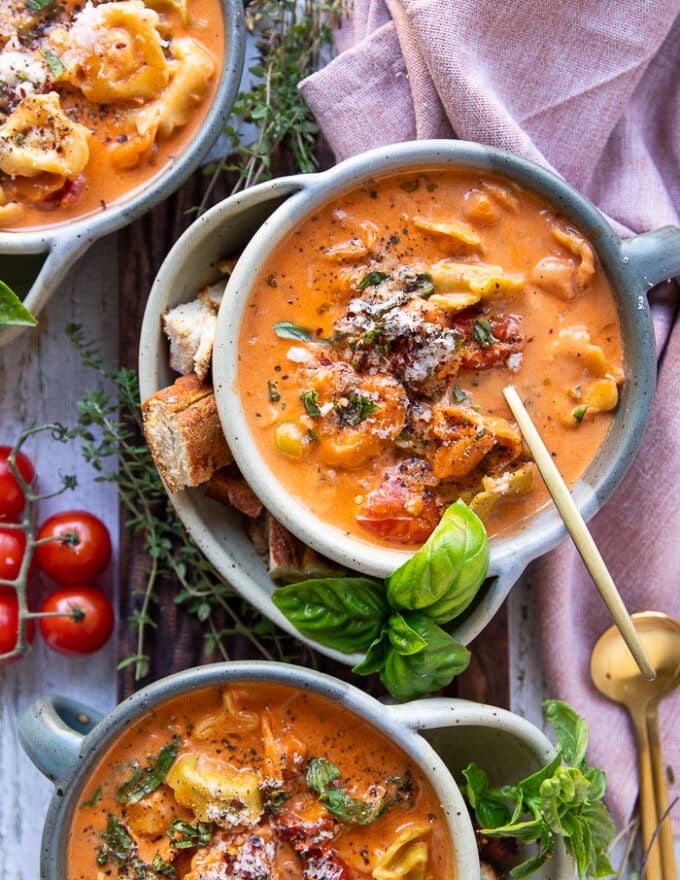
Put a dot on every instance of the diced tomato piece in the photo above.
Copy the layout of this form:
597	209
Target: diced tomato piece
400	511
319	864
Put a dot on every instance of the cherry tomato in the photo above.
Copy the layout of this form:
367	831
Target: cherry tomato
81	561
11	495
9	624
12	549
83	634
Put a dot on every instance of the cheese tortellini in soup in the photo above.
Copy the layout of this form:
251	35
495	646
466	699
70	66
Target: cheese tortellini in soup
89	92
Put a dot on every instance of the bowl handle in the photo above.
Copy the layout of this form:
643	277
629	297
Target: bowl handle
52	731
41	281
654	256
476	618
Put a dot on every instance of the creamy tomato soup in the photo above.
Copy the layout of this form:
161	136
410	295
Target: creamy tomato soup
379	336
98	98
257	781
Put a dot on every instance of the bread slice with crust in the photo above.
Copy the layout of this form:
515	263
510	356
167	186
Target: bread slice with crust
184	434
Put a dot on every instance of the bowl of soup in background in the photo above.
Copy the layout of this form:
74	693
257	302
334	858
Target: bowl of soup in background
253	224
84	754
39	245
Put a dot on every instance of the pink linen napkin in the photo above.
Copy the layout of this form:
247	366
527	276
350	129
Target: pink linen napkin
590	89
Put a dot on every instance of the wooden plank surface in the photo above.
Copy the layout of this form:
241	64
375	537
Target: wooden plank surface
179	642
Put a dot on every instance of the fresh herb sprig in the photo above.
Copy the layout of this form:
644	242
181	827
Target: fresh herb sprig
561	800
398	622
111	433
291	37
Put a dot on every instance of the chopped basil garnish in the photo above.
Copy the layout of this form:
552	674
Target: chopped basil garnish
53	62
310	401
578	413
320	773
143	782
288	330
274	395
274	799
118	844
357	409
184	835
458	394
482	332
38	5
120	847
94	800
371	280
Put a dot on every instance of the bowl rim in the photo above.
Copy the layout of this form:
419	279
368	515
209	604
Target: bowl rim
543	531
129	207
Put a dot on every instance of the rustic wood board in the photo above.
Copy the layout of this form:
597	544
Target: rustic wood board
178	643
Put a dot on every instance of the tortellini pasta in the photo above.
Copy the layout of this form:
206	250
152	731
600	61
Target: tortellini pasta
114	52
38	137
407	857
192	68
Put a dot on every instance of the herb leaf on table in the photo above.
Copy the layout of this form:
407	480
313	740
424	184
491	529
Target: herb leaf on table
562	799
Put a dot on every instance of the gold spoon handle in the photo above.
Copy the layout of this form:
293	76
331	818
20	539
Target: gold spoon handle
648	818
666	844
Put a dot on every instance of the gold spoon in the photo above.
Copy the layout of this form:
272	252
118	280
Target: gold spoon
616	674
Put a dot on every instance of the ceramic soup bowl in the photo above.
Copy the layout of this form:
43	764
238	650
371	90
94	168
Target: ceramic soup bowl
66	740
253	222
35	262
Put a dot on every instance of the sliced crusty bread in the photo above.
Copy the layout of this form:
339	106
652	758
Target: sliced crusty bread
184	434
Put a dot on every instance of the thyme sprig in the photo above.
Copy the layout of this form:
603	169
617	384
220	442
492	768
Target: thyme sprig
271	117
111	434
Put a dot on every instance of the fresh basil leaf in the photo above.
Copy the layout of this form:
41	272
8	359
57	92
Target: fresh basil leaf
571	730
579	412
310	401
403	638
184	835
13	313
375	656
532	865
288	330
143	782
371	280
443	577
489	805
38	5
415	675
274	799
345	613
357	408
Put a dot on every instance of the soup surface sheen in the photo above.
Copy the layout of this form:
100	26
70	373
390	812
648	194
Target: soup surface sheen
240	797
96	99
382	330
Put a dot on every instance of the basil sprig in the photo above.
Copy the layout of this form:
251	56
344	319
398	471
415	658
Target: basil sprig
562	799
444	575
13	313
144	781
396	622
